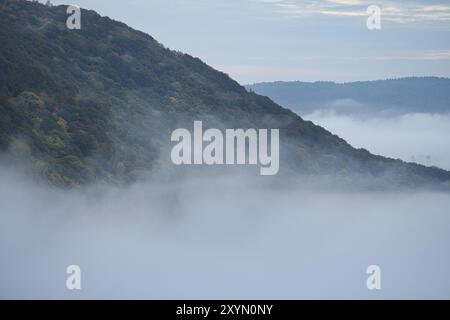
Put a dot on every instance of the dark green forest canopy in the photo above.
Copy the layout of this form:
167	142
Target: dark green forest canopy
99	104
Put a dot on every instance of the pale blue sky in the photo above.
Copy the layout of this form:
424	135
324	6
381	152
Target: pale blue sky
309	40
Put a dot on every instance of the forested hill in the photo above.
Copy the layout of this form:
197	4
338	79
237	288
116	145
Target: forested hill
381	97
100	103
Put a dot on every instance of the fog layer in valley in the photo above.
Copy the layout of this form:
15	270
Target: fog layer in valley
220	238
418	137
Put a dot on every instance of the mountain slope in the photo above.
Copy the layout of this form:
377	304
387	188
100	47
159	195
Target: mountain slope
100	103
397	96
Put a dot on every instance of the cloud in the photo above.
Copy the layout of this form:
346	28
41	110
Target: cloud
392	11
437	55
228	238
429	55
352	2
421	138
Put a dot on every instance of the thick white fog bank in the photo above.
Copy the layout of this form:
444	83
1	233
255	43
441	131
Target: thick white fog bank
421	138
220	238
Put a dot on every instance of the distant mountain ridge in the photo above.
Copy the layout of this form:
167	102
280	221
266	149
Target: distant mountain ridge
382	97
100	103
